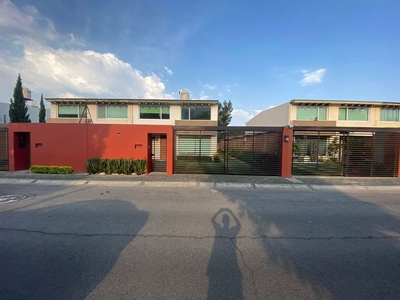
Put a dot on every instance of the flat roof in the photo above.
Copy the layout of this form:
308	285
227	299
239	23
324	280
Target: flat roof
344	102
131	101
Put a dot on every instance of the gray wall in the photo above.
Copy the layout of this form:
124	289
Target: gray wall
276	116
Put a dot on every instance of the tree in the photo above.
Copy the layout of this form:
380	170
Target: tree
224	113
42	111
18	110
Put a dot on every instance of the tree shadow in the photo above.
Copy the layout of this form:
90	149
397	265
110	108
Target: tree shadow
64	251
225	277
319	242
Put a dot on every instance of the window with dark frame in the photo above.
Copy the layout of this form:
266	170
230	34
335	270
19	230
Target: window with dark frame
196	113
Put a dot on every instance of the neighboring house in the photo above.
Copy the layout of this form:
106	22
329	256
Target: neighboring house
33	111
332	113
317	124
182	113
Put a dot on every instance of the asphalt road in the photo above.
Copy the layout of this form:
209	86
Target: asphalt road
65	242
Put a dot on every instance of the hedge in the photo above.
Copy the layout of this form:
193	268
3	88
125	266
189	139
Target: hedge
119	165
51	169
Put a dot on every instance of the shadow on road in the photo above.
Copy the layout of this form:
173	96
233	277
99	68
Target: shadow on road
225	277
339	246
64	251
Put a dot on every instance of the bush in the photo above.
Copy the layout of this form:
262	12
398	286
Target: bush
118	165
93	165
51	169
140	166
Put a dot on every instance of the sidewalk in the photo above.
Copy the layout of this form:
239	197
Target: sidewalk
202	180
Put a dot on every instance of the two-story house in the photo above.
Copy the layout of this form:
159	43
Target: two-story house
182	113
331	113
323	129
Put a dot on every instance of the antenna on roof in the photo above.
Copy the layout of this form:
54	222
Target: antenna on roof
85	114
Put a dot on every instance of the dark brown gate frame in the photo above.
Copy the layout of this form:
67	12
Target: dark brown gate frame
227	139
4	158
344	131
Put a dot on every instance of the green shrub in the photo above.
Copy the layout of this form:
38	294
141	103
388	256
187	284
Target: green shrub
94	165
51	169
118	165
140	166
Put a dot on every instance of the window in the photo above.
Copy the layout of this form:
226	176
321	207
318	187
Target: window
353	114
112	112
70	111
154	112
194	145
390	114
311	113
196	113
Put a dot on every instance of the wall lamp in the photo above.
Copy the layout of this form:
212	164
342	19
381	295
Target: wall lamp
286	138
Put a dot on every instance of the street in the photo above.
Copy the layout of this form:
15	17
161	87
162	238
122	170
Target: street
116	242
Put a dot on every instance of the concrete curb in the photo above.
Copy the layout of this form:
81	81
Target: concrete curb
156	184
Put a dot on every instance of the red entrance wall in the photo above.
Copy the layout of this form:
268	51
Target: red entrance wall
72	144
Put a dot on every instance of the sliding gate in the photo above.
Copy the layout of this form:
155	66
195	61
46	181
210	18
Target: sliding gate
348	152
228	150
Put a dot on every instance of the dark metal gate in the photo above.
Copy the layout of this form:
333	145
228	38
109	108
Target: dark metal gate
228	150
346	151
3	148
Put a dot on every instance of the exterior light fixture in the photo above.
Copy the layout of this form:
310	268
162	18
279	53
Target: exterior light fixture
286	138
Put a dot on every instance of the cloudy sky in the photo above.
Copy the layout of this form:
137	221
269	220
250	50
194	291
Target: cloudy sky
257	54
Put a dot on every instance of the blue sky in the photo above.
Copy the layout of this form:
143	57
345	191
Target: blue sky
257	54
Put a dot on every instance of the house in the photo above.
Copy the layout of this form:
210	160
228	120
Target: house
154	112
33	112
339	137
332	113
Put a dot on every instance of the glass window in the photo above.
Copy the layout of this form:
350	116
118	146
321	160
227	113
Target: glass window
342	114
165	112
70	111
200	113
117	111
101	111
185	113
196	113
353	114
309	113
112	111
390	114
322	113
194	145
154	112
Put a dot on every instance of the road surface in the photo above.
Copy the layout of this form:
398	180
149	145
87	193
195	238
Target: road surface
99	242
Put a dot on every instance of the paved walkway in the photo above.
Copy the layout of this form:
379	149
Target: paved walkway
195	180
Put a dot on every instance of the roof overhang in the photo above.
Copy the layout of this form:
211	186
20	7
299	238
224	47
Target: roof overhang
353	103
105	101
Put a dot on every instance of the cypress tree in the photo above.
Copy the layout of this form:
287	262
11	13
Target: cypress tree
18	110
42	111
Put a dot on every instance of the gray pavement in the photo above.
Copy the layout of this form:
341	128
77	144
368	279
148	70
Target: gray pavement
206	180
121	242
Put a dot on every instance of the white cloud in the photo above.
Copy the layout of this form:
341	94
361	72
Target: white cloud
208	86
63	70
312	77
240	117
203	96
168	71
220	94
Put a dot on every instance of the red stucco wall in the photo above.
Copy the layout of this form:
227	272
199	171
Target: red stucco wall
73	144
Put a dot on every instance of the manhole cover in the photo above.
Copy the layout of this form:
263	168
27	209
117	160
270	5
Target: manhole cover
11	198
